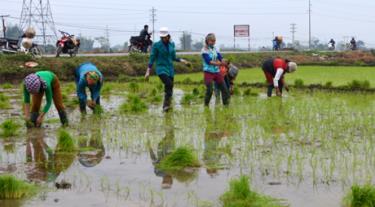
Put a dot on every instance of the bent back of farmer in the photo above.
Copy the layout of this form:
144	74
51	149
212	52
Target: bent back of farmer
37	84
274	70
88	75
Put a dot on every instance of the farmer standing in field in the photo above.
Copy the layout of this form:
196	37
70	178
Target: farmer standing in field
212	60
37	84
164	53
274	71
88	75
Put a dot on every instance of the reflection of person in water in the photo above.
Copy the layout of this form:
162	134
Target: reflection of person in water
45	164
215	132
165	147
91	149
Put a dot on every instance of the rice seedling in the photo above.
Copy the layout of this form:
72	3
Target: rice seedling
134	104
179	159
360	196
239	194
6	86
4	102
134	87
98	110
9	128
298	83
65	142
13	188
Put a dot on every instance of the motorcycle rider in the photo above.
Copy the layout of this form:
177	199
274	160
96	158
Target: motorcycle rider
353	44
332	44
143	36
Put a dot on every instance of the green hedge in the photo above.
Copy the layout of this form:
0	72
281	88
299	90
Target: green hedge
115	68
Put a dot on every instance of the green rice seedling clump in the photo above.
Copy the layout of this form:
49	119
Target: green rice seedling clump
98	110
4	102
240	195
187	99
298	83
179	159
134	104
9	128
65	142
13	188
6	86
360	196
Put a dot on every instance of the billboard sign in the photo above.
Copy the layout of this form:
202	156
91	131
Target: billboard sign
241	30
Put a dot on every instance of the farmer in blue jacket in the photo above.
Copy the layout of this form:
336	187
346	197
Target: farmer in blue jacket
164	53
88	75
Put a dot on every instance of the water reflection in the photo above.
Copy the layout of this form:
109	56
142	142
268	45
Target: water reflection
91	149
44	164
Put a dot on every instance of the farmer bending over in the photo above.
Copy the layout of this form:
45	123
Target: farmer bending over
274	70
37	84
88	75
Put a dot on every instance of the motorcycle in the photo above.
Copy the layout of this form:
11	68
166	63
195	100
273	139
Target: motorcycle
331	46
137	44
67	44
23	45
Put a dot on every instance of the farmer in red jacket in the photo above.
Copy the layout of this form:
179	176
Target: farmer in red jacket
274	70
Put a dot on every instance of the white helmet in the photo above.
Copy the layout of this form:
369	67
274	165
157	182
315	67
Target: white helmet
163	32
292	67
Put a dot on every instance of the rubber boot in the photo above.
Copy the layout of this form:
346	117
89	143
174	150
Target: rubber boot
208	95
269	90
63	118
82	107
33	117
167	104
225	94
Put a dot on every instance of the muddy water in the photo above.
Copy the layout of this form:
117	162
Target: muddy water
271	141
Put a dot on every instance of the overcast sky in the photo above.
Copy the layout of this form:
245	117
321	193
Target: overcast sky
330	18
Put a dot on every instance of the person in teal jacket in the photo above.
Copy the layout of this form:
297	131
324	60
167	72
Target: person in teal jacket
88	75
164	53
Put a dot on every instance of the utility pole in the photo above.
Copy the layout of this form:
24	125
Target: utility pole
3	20
107	37
309	24
293	31
153	20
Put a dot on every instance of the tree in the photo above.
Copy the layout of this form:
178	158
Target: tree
87	44
361	44
186	41
104	43
198	45
13	31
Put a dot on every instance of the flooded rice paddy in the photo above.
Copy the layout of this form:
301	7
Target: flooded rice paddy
308	149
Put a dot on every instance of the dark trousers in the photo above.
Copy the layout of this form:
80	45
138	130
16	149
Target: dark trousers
217	78
168	89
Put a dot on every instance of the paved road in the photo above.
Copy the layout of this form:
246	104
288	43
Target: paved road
179	53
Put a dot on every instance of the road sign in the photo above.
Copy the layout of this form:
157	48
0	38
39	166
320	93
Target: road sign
241	30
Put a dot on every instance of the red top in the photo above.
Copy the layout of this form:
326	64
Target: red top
279	63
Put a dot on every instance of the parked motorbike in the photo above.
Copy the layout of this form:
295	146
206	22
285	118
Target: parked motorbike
138	44
67	44
24	44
